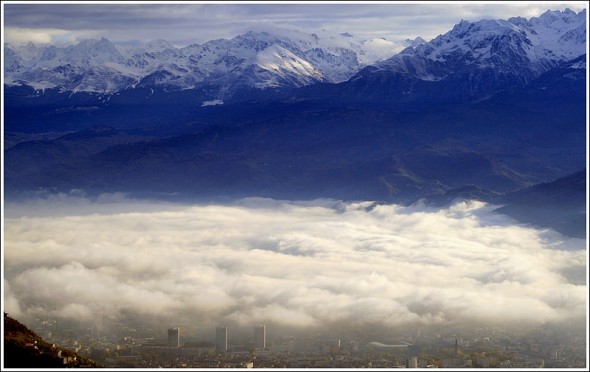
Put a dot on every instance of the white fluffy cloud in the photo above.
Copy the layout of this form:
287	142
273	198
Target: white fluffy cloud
19	35
296	264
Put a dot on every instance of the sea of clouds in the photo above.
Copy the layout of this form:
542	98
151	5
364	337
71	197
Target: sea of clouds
288	263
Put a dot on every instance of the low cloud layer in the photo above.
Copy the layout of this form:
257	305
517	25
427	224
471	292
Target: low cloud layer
293	264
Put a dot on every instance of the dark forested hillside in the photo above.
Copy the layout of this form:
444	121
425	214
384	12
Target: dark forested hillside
23	348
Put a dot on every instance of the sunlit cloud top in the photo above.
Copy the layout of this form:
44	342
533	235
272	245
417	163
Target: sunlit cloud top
290	264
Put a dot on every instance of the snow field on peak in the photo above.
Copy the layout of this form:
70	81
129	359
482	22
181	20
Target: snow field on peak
280	60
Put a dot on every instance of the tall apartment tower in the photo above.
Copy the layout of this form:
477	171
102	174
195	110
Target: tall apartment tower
259	337
221	338
174	337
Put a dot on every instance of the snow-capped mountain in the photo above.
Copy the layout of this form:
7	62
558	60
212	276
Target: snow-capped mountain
516	50
263	59
473	57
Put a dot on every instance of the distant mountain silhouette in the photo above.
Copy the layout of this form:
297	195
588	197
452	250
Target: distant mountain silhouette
560	204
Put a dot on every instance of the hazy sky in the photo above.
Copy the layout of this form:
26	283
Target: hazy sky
187	23
287	264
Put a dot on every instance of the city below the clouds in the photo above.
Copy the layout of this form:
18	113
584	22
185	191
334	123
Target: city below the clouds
136	345
267	186
335	291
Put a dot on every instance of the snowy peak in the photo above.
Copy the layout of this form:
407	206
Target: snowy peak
158	45
12	61
416	42
92	52
517	48
337	56
556	35
559	20
281	61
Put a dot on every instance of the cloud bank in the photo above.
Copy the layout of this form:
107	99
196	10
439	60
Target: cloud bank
291	264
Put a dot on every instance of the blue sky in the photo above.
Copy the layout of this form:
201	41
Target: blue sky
184	23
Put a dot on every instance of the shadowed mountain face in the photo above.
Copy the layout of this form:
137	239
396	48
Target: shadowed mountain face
311	144
560	205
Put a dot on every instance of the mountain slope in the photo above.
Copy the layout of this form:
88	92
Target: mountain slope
23	348
316	147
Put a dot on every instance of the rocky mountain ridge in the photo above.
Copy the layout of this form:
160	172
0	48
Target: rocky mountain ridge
475	59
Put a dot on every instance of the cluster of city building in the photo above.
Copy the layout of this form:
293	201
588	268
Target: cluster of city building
132	347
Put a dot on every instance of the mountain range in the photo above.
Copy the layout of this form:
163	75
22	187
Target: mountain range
494	105
283	58
513	50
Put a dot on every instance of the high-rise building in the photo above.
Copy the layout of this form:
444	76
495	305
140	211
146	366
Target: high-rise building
412	362
259	337
221	338
174	337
